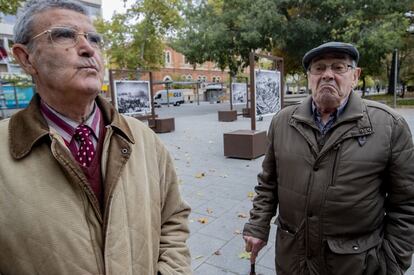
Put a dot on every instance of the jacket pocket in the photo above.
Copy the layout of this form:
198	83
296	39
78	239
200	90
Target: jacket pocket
354	256
337	152
289	256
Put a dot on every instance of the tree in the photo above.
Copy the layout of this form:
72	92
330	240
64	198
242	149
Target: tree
136	39
225	31
10	6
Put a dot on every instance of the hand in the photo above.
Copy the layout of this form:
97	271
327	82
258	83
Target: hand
253	245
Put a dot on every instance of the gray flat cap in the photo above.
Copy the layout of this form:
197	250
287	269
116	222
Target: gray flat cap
330	47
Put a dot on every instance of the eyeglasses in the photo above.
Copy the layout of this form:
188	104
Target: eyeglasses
65	36
337	68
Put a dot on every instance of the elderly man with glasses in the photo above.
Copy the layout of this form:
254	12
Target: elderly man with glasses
83	189
339	172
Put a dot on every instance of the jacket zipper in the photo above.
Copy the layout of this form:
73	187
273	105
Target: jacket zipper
337	148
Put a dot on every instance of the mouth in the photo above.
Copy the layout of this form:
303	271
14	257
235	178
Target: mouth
327	87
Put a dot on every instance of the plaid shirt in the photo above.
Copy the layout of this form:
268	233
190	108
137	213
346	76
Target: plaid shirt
325	127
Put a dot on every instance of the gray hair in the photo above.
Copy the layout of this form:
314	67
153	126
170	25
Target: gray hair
24	26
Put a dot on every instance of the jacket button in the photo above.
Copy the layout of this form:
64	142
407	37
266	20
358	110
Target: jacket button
355	247
124	151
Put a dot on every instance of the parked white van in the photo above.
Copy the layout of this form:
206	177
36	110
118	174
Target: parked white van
175	97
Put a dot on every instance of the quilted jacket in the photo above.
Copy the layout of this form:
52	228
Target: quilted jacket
50	221
347	208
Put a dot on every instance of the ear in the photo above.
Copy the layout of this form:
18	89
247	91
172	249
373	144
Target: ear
22	55
357	73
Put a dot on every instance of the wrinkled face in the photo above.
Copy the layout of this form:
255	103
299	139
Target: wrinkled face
330	88
65	72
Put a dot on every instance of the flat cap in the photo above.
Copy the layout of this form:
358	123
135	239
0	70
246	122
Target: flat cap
330	47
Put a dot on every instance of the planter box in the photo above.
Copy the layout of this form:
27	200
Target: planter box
227	116
245	144
246	112
163	125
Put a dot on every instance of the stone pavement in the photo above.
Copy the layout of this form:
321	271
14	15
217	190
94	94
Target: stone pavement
218	188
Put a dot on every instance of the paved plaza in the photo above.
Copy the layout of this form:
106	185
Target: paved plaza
219	189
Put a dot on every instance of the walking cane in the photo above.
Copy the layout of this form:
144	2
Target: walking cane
252	267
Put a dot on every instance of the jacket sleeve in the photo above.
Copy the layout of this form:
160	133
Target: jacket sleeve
174	256
265	202
398	245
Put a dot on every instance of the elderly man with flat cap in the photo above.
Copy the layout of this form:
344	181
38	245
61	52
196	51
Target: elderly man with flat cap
340	171
83	189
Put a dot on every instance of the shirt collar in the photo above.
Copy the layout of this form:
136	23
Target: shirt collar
336	114
66	126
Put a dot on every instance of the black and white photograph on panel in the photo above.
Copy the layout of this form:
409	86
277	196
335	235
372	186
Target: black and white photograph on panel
267	84
132	97
239	91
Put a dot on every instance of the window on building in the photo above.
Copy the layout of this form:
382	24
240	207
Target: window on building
186	60
167	57
8	18
189	77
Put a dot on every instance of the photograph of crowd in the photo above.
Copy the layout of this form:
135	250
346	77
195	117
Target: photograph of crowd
239	91
132	97
267	84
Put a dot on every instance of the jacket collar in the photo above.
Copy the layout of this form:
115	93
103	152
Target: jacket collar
28	127
354	110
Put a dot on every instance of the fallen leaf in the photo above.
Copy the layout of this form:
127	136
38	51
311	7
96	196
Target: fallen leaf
237	232
198	257
244	255
250	195
203	220
200	175
218	253
242	215
209	210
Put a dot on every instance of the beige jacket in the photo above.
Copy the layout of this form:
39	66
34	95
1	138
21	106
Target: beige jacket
50	222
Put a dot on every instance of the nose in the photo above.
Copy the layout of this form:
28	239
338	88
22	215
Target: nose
328	74
85	49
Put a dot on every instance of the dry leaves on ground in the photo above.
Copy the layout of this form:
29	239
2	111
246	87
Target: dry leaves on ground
242	215
203	220
200	175
244	255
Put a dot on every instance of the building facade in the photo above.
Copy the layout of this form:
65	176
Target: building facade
212	79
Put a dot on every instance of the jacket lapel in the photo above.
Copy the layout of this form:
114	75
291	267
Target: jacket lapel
116	150
353	122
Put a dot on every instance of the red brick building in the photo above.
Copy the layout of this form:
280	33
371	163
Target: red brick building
176	68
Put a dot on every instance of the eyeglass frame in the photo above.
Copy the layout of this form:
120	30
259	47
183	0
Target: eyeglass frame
84	34
353	66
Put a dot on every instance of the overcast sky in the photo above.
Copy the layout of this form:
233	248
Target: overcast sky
109	6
